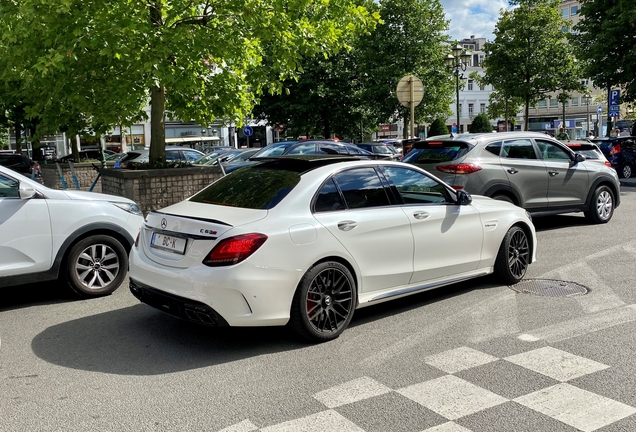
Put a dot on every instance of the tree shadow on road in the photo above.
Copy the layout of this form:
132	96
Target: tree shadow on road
36	294
547	223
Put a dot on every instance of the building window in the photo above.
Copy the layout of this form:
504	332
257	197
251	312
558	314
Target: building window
554	103
574	10
543	103
564	12
460	109
471	109
564	29
482	108
481	87
575	101
481	59
470	84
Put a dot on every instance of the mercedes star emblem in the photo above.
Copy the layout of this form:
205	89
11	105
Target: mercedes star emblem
164	223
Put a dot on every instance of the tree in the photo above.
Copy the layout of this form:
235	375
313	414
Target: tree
438	127
606	35
506	107
104	59
411	40
480	123
530	56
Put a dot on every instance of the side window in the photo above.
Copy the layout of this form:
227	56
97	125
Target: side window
518	149
303	149
326	148
629	144
172	155
494	148
191	156
550	151
8	187
328	198
417	188
362	188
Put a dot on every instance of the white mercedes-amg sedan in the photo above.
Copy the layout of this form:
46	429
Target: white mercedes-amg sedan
307	241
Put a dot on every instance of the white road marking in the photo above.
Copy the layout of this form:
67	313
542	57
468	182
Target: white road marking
448	427
582	325
555	363
244	426
576	407
452	397
323	421
459	359
351	391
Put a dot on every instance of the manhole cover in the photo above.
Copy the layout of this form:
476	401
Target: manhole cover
550	288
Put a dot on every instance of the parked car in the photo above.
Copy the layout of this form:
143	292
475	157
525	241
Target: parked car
87	155
304	147
22	164
303	247
82	238
529	169
621	153
173	153
382	149
210	157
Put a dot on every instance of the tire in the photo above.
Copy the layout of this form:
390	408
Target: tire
626	171
324	302
601	206
96	266
502	197
513	257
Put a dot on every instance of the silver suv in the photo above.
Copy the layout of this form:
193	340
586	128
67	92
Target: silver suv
529	169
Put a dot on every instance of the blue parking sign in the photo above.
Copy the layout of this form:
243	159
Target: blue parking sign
615	94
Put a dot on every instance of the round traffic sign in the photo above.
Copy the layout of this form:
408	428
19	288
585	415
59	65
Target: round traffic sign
248	131
403	90
599	109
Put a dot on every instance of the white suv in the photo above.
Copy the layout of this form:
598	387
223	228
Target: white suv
82	237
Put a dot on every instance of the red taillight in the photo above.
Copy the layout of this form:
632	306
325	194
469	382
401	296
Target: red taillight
459	168
137	239
233	250
616	149
607	163
457	187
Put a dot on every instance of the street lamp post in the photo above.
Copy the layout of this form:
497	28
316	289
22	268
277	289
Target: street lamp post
587	98
457	61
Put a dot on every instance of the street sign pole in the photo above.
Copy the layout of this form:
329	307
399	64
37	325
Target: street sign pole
412	103
410	92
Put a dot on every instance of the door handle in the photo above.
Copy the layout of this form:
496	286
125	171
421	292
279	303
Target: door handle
553	173
513	170
347	225
420	215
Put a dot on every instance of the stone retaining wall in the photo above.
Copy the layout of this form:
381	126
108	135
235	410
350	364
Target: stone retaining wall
158	188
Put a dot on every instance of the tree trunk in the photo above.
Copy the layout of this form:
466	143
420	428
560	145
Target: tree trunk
157	126
526	113
157	103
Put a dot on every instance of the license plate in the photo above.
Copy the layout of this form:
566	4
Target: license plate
168	243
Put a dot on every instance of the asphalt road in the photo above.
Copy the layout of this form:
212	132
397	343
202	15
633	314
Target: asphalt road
475	356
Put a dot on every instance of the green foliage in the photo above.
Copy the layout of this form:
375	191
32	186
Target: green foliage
530	55
606	44
411	40
504	107
99	61
481	123
438	127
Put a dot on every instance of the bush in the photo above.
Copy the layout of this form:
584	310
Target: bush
481	123
438	127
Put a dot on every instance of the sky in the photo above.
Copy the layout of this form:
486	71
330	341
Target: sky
473	17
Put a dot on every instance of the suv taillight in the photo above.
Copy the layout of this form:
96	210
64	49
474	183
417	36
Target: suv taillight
233	250
459	168
615	150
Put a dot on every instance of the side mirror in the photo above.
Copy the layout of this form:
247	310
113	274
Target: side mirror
463	197
26	191
578	158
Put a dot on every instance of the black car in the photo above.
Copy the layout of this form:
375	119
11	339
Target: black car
382	149
620	152
22	164
306	147
87	154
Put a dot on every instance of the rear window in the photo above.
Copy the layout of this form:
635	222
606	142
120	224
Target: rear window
587	150
274	149
239	189
435	152
605	145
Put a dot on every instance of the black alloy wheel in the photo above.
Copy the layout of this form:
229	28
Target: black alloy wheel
626	171
324	302
513	258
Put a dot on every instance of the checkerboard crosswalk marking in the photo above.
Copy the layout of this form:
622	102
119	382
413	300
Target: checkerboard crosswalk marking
453	398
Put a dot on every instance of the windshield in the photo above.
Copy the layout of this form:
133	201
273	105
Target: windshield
274	149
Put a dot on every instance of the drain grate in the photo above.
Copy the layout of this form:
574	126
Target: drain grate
550	288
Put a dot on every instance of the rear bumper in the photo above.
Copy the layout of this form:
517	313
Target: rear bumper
180	307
